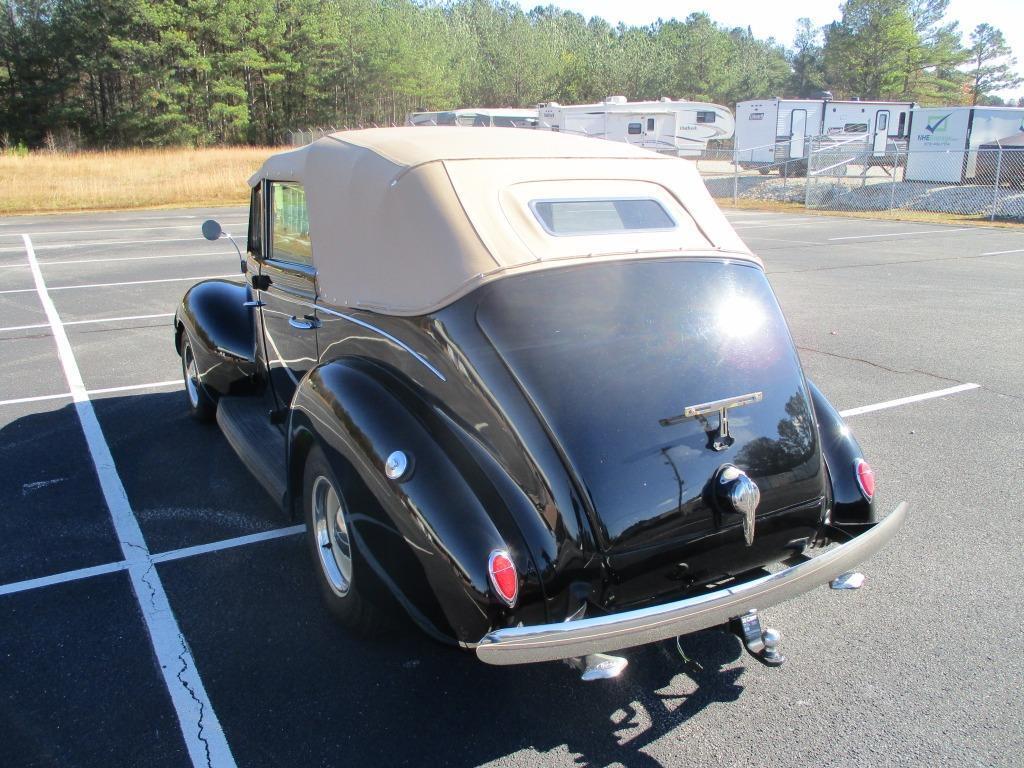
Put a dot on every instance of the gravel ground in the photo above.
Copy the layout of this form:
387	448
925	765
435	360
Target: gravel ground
876	195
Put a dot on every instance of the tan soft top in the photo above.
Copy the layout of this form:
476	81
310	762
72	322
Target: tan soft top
406	220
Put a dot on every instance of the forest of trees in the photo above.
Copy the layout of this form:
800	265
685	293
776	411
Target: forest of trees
102	73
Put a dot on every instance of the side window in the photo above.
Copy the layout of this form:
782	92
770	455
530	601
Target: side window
650	123
903	123
256	221
289	227
709	117
634	129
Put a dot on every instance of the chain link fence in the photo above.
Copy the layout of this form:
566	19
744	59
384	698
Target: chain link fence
831	173
301	137
855	174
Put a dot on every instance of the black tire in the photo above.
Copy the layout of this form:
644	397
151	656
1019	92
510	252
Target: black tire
200	404
764	171
353	597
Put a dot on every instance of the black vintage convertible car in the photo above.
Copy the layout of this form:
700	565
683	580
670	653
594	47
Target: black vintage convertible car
530	388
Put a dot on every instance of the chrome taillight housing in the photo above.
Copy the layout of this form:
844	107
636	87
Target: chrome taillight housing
865	478
503	575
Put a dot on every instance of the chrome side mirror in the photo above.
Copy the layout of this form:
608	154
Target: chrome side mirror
212	230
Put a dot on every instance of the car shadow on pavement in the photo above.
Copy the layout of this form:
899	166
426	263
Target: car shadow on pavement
602	722
290	686
450	709
184	483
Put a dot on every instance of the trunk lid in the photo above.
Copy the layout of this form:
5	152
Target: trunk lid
610	356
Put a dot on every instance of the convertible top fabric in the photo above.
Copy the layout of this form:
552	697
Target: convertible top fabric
404	221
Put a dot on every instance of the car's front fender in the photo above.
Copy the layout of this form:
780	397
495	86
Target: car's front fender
222	330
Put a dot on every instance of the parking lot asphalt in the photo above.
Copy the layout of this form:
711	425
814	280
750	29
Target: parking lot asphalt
157	609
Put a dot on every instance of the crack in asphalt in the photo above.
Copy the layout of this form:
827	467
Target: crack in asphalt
880	366
908	372
202	708
183	657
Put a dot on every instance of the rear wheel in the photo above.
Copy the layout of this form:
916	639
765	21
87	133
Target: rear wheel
201	405
343	575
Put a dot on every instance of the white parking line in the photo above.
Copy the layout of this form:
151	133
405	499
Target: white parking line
87	322
104	391
200	727
238	541
907	400
774	223
1000	253
276	533
63	262
60	578
902	234
159	557
130	282
88	243
760	239
42	233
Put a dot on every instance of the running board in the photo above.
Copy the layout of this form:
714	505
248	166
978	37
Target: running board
260	444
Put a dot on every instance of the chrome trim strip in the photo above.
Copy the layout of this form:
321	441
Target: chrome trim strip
385	334
550	642
718	405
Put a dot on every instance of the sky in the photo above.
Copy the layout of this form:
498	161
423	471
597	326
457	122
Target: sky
777	18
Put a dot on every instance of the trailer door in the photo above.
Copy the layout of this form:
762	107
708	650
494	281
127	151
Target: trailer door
797	133
881	132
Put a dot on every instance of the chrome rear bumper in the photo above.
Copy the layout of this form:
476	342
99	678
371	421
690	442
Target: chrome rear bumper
549	642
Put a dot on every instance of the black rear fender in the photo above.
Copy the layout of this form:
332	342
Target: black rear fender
428	534
849	505
222	332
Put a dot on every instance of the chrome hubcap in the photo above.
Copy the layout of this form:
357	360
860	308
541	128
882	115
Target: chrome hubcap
191	377
332	538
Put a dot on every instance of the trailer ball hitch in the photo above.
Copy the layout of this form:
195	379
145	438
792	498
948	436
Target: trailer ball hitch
761	642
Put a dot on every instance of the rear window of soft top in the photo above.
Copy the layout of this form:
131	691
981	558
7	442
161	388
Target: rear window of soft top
597	216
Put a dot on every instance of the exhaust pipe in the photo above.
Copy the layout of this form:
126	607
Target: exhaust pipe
598	666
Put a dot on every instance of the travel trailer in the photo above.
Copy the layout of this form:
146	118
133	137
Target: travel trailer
961	144
774	131
501	117
672	127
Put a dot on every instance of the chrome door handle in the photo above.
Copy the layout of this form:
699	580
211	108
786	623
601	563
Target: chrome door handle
304	324
252	304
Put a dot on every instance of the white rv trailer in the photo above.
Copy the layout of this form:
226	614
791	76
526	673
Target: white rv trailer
671	127
501	117
773	131
944	142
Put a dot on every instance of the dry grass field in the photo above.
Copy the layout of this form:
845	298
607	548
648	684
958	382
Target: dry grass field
138	178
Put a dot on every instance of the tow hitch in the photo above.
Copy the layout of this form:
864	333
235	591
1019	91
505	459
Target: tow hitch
761	642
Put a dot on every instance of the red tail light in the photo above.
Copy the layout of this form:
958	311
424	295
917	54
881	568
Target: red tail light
865	478
503	575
